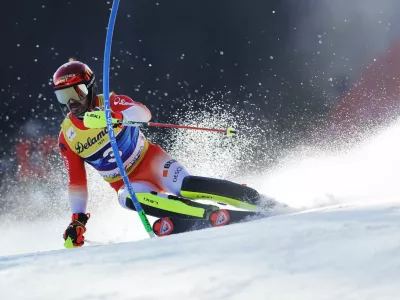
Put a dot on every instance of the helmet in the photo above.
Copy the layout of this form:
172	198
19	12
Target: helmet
74	80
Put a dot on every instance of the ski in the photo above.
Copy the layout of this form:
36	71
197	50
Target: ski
220	217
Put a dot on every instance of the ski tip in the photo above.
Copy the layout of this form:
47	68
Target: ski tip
230	131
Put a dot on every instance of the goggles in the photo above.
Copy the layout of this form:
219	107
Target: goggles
77	92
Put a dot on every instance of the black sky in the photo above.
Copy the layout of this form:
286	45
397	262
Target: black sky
275	55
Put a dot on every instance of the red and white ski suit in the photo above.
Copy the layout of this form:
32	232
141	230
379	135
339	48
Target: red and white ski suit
148	166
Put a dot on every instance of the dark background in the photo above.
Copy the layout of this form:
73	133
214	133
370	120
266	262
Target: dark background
286	62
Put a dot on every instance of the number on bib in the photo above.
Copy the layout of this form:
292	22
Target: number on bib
109	153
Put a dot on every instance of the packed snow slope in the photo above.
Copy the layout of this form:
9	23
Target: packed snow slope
349	252
343	244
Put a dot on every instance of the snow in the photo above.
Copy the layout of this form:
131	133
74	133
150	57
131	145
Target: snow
345	252
343	244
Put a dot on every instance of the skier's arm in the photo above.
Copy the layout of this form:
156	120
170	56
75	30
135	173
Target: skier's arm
128	109
77	187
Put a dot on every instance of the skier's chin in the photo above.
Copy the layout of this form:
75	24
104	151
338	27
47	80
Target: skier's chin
78	111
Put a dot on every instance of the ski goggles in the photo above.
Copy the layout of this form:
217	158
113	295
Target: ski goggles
77	92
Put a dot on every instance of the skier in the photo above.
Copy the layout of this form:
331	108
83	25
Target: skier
159	181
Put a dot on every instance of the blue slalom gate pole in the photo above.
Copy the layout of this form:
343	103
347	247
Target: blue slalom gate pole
107	108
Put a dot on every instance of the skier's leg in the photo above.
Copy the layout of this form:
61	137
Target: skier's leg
159	205
174	178
223	191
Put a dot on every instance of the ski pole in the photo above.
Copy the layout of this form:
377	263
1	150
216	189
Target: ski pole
96	119
108	119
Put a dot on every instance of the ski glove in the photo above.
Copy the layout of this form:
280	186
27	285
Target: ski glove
73	235
117	115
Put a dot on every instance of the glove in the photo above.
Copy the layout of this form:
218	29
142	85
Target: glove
117	115
73	235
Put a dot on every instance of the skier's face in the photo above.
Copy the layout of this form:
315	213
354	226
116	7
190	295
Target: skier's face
76	98
78	107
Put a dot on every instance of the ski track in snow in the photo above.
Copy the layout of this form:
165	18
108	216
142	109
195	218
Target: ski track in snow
343	244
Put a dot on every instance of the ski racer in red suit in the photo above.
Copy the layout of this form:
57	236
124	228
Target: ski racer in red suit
158	180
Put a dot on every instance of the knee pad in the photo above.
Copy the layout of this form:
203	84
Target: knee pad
124	198
123	195
172	176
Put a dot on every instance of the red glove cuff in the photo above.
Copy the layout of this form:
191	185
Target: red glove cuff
80	217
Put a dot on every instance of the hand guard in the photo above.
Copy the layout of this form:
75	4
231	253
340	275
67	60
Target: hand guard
73	235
